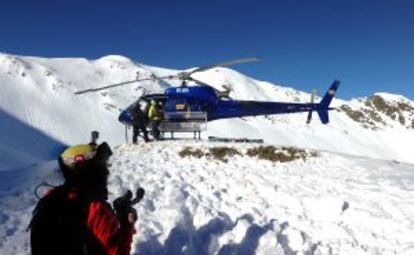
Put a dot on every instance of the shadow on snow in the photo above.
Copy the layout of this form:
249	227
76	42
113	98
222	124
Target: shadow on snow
22	147
185	239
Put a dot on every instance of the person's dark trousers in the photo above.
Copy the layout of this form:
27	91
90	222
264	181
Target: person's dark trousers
155	124
135	132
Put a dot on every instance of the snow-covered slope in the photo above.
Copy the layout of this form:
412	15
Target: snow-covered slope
38	92
208	204
332	204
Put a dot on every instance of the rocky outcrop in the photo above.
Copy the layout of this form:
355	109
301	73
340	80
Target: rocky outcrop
378	112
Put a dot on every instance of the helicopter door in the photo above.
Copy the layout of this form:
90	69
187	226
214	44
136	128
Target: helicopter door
196	106
176	108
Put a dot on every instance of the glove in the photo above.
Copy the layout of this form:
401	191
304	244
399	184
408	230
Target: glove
139	195
123	208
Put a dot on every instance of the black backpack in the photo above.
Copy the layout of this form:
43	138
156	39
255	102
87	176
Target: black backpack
59	224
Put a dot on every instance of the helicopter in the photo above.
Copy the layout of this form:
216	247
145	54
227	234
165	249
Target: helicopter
187	103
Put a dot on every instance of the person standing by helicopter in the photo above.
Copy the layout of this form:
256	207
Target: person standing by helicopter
94	138
139	123
155	115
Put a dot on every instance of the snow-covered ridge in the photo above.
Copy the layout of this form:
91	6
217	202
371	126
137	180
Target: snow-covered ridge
38	92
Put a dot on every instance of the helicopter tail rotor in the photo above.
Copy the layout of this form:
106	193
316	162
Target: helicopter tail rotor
309	119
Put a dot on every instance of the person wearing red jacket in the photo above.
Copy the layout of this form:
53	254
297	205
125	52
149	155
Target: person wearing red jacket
75	218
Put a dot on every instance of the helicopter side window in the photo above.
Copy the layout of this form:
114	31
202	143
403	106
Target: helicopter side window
180	107
195	105
177	104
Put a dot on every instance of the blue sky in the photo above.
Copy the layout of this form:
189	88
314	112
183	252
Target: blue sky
367	44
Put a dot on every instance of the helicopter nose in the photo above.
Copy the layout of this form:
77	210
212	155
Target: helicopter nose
125	117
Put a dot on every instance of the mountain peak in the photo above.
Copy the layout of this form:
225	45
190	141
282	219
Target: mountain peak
115	58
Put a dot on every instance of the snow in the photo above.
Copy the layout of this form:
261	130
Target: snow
355	198
329	204
392	97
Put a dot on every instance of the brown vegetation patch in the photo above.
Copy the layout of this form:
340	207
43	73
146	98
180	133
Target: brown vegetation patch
191	152
271	153
221	153
282	154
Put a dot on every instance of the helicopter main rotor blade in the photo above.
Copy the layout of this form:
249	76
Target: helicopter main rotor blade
110	86
223	64
221	94
181	76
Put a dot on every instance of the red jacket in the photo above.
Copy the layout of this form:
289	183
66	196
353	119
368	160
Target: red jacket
106	228
92	227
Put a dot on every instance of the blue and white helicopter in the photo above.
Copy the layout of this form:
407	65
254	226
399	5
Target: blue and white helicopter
184	103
